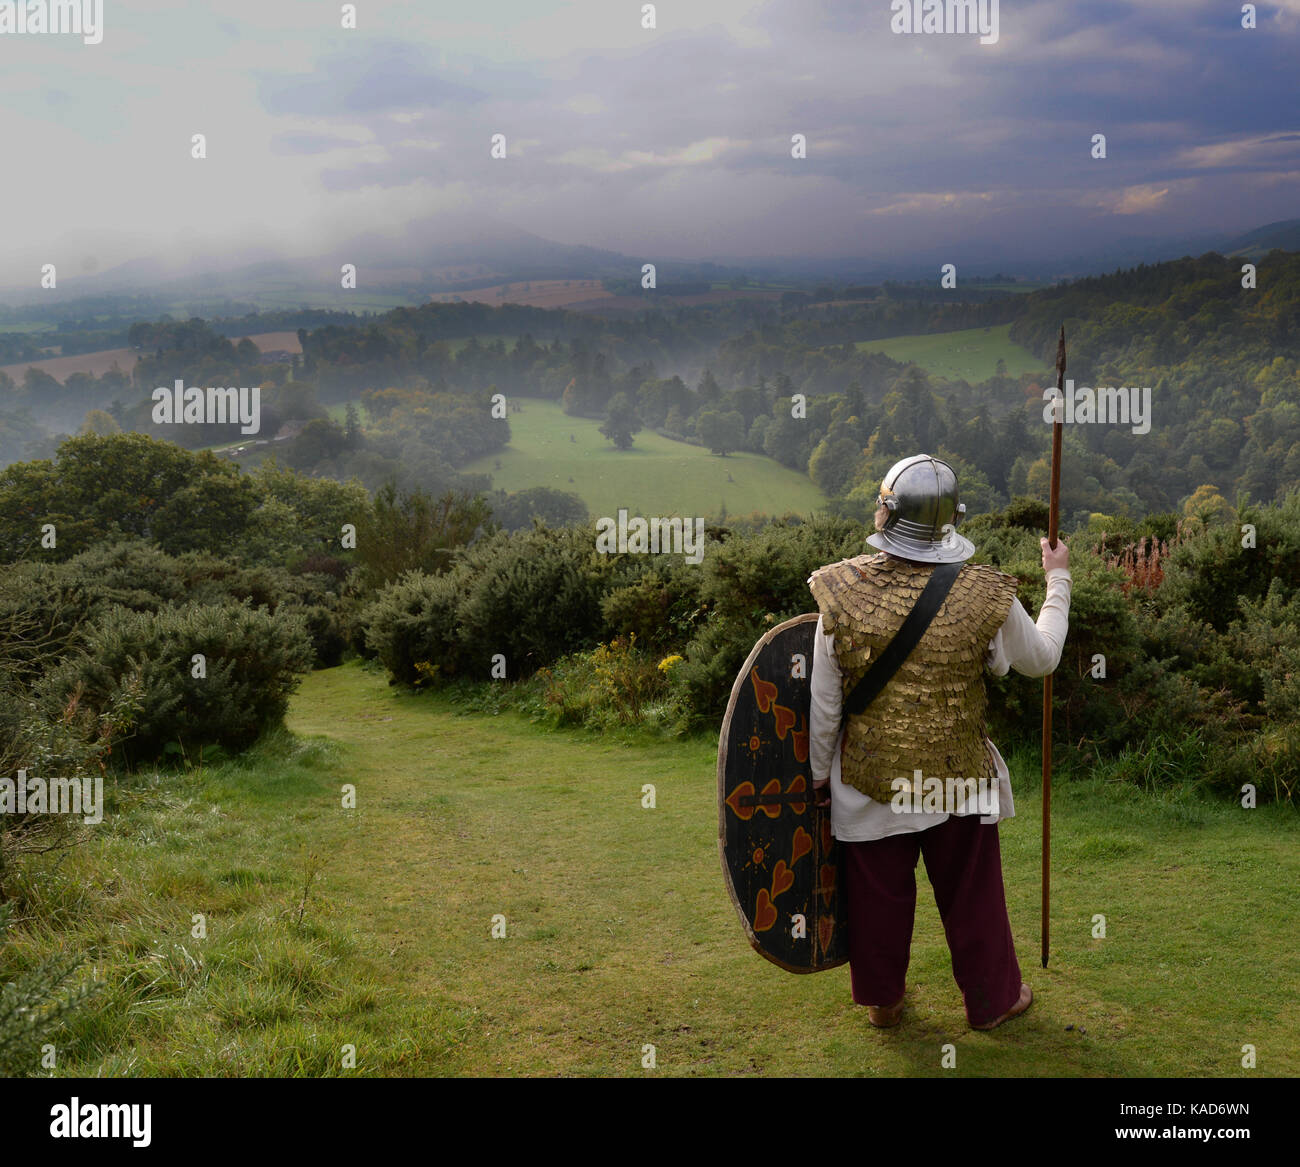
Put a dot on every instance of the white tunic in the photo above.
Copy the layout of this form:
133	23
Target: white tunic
1029	648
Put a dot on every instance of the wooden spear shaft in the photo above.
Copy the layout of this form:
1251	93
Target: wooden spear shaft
1053	519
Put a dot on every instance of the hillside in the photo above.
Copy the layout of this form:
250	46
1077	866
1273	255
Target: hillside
658	476
970	354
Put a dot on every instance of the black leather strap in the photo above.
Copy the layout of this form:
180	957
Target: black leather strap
905	639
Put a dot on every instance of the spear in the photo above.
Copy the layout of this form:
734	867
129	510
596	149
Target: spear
1052	521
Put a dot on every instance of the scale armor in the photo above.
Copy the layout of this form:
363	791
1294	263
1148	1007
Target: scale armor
931	715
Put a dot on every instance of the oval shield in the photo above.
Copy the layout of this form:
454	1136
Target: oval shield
778	854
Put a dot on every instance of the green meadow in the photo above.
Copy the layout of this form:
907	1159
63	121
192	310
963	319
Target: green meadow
657	476
971	354
329	928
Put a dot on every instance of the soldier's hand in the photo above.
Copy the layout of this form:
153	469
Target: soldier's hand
1058	558
822	795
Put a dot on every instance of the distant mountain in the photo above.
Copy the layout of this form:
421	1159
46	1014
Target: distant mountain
1259	242
437	254
458	253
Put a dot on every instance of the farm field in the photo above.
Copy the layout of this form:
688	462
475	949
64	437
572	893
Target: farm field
372	927
535	293
657	476
971	354
592	296
99	363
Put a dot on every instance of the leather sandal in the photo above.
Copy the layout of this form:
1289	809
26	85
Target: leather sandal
886	1016
1026	999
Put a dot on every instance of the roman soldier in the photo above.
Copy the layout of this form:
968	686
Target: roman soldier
926	724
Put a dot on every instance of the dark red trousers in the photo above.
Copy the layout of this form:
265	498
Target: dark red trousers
964	863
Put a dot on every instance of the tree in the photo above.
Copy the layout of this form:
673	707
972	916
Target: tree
710	392
318	441
833	465
721	432
351	428
413	531
247	354
621	422
101	423
1207	506
124	484
555	508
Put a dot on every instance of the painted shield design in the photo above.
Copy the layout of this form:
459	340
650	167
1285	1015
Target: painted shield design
778	855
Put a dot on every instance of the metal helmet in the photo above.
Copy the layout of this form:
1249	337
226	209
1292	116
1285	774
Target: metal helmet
921	496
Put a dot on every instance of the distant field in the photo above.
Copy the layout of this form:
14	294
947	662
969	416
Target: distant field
971	354
336	298
591	296
61	368
99	363
269	342
656	477
28	326
461	341
1018	286
535	293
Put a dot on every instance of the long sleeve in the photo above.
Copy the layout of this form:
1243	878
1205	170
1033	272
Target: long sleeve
1029	647
826	690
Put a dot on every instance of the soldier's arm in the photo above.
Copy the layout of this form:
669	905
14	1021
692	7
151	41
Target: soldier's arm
826	692
1034	647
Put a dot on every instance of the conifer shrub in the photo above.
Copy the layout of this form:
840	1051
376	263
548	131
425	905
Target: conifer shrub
749	584
412	628
35	1001
657	603
251	661
533	597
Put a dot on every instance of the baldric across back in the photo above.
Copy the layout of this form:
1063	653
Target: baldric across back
931	715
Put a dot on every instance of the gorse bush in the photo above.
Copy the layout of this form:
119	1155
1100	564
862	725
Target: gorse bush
46	608
750	583
613	684
251	659
533	597
412	627
34	1005
1157	647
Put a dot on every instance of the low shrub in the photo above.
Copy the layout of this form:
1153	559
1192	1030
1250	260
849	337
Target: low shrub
251	659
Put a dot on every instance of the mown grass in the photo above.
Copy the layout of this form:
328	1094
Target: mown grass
279	985
657	476
970	354
619	930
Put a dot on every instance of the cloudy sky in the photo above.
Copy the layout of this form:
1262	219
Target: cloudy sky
673	141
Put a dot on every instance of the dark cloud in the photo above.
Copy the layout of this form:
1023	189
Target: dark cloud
689	133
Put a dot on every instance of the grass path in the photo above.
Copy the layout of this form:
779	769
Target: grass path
620	933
